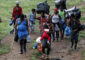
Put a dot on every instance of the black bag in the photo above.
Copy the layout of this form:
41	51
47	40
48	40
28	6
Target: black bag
43	7
16	36
73	11
59	3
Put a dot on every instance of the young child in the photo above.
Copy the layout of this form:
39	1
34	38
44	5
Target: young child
45	39
74	25
32	20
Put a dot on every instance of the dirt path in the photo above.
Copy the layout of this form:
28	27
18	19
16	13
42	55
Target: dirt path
14	53
59	50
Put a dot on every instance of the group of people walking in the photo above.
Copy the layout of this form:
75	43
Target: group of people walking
52	26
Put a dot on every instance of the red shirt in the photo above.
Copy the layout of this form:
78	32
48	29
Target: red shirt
16	11
45	35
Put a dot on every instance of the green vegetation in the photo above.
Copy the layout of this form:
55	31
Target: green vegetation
35	55
73	2
4	49
83	55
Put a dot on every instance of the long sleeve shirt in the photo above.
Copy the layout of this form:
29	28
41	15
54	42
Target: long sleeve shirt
45	35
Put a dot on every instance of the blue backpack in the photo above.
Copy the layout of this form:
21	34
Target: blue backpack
67	31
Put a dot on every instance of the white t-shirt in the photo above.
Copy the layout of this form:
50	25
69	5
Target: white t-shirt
55	19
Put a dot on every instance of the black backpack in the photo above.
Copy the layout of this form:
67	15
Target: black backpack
43	7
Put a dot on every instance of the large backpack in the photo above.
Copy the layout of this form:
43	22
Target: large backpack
43	7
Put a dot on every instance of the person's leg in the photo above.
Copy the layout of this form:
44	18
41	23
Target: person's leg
33	27
43	50
61	34
76	41
21	46
53	36
48	50
25	45
72	39
72	43
57	35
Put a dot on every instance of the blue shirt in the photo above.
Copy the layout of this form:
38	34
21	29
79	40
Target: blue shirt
32	17
22	29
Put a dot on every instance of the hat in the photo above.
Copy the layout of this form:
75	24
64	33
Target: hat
38	40
55	9
17	2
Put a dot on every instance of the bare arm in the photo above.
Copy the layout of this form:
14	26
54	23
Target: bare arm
27	25
15	26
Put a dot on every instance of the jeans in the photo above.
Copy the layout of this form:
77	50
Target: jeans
32	26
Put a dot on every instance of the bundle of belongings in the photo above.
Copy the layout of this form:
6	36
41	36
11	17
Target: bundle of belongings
73	11
59	3
43	7
77	13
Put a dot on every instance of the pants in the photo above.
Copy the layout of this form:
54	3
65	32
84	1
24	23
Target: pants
74	39
22	45
44	46
57	35
32	26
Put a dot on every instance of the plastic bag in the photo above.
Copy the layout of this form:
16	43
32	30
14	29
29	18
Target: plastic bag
67	31
28	39
35	46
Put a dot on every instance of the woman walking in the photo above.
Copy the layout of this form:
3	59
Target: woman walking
23	30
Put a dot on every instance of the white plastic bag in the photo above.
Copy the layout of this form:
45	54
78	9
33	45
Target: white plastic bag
28	39
38	40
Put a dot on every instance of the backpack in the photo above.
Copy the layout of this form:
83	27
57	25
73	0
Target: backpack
43	7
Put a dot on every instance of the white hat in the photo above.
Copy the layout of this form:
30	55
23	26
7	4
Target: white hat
38	40
17	2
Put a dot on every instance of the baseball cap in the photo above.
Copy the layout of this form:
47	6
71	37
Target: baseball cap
55	9
17	2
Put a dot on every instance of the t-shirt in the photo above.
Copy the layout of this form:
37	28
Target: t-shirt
61	13
32	17
55	19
